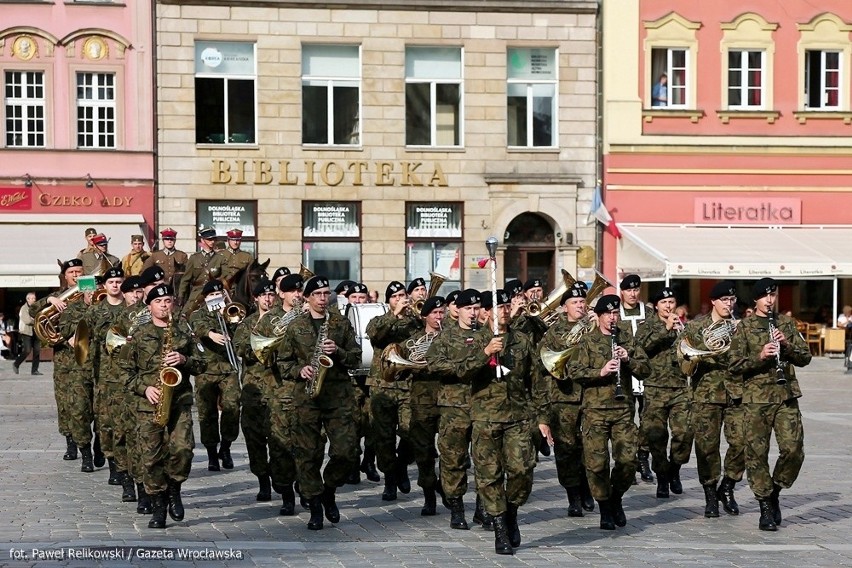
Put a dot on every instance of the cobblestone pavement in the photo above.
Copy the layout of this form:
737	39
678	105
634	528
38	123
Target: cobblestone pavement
47	506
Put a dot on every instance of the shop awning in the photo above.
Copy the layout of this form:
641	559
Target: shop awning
32	243
662	252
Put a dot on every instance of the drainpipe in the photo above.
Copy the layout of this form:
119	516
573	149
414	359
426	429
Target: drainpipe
599	100
154	122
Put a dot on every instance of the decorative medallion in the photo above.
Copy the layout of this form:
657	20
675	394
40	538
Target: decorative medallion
25	47
586	257
95	49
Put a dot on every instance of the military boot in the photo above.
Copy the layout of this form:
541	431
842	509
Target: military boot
430	503
501	537
403	483
143	505
725	494
512	525
480	517
575	507
212	458
389	494
354	477
767	522
114	475
265	492
368	466
457	520
776	505
70	449
332	513
175	503
86	453
711	504
128	488
645	467
158	519
617	511
315	506
586	494
607	524
674	478
544	447
288	501
662	486
98	458
225	455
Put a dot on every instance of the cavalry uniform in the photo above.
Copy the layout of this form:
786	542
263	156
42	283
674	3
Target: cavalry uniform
171	261
92	257
133	262
235	260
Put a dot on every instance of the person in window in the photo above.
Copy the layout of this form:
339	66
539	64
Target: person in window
844	320
660	92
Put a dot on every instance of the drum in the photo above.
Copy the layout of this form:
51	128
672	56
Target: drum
359	316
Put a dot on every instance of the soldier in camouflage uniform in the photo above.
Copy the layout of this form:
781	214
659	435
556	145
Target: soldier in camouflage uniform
603	359
202	266
667	395
716	400
92	258
454	425
166	451
390	410
500	408
557	403
236	260
168	258
762	360
311	335
219	386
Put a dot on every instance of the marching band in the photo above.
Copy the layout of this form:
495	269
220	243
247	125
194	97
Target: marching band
468	382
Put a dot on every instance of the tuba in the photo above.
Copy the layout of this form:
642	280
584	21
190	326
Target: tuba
114	339
305	272
435	282
82	338
320	362
170	377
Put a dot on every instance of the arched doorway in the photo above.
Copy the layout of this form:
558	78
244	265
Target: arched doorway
530	249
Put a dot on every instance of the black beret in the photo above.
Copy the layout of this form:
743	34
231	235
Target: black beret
314	283
533	283
206	233
71	263
763	287
662	295
451	297
485	300
502	297
283	271
131	283
343	286
263	287
151	275
392	289
291	283
212	286
468	297
159	291
357	288
114	272
722	289
630	282
581	284
432	303
513	286
417	282
577	290
607	303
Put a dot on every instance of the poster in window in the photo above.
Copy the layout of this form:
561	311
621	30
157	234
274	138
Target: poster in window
226	215
224	58
448	260
331	219
433	220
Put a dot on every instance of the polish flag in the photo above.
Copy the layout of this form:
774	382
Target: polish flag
602	214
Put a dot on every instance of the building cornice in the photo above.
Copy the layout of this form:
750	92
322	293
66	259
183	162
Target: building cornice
533	179
521	6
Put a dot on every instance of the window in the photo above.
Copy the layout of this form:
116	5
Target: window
331	239
96	110
434	242
25	108
225	108
331	94
433	96
670	73
531	97
226	215
745	79
822	79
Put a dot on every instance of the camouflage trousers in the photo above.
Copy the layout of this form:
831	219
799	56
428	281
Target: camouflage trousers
667	409
421	434
132	456
282	462
599	427
363	429
210	392
165	453
503	459
707	421
639	405
567	443
331	410
62	361
761	420
109	406
80	406
390	416
454	433
256	425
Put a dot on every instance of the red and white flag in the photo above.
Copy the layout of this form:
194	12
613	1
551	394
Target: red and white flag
602	214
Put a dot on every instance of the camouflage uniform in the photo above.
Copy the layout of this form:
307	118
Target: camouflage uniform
604	417
424	420
63	357
173	264
109	380
389	401
500	409
331	409
218	385
770	407
92	259
201	267
235	261
126	450
80	381
667	399
165	452
716	401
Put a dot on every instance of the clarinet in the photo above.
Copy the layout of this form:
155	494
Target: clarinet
780	378
619	390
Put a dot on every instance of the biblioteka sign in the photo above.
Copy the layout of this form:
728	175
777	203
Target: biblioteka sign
748	211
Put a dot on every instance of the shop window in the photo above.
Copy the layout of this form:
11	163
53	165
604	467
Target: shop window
25	109
822	79
331	94
225	84
434	242
531	97
745	79
226	215
96	110
433	96
331	239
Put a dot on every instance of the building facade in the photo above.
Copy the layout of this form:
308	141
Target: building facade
727	139
382	141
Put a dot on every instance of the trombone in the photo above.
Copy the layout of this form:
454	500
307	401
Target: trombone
219	307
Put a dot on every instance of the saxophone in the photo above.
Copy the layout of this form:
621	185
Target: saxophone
320	363
170	377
